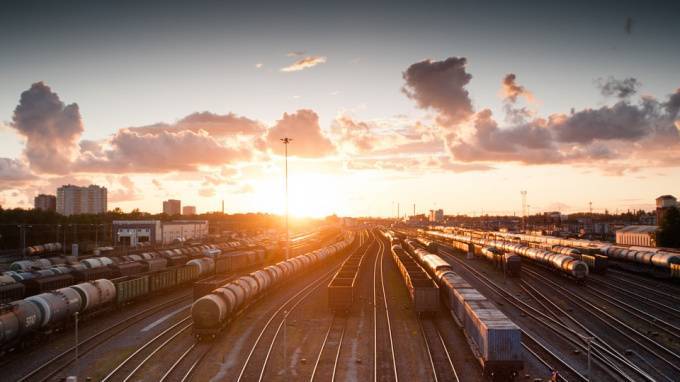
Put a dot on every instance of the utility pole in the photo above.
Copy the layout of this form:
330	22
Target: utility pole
76	349
286	141
524	209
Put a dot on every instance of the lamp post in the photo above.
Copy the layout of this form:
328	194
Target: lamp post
286	141
76	348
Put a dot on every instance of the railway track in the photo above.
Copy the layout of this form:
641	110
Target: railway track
51	369
438	353
649	347
128	368
656	286
257	361
558	328
384	360
183	367
326	365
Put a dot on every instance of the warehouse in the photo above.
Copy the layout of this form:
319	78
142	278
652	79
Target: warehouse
157	232
638	235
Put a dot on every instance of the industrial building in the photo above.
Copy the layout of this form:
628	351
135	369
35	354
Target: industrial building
189	210
172	207
73	200
637	235
663	204
157	232
45	202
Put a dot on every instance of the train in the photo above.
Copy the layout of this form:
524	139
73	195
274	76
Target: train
26	320
29	277
214	311
663	259
562	264
509	263
47	248
423	291
493	337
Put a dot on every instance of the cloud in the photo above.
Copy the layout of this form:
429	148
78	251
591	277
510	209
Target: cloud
50	127
358	135
619	88
14	172
440	85
259	65
304	63
417	164
157	184
127	193
295	53
228	125
528	143
160	151
511	90
644	134
206	192
303	127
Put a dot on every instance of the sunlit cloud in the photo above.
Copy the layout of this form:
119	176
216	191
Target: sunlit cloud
304	63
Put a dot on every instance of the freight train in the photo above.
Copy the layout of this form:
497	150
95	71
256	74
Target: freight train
665	261
563	264
214	311
25	321
29	277
493	337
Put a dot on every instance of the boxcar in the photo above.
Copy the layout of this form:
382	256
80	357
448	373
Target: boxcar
11	292
89	274
47	283
341	291
162	280
131	288
186	274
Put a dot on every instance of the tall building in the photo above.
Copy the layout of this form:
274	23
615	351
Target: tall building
45	202
189	210
73	200
172	207
663	203
436	215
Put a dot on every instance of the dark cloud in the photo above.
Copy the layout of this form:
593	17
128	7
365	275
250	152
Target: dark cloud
14	171
511	90
51	129
622	121
628	26
645	132
440	85
618	88
303	127
673	105
528	143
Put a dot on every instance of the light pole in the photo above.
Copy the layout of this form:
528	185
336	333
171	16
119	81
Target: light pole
76	350
286	141
285	324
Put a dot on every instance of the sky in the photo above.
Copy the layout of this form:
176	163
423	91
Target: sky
457	105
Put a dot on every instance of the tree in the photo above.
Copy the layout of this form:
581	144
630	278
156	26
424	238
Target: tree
669	231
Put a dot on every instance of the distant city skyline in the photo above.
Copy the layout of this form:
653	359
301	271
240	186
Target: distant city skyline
449	105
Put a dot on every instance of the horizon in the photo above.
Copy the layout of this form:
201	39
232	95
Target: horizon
453	106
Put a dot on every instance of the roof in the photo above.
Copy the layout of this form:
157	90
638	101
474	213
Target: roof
638	229
666	197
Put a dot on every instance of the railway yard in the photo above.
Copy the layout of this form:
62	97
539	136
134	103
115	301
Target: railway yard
368	303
